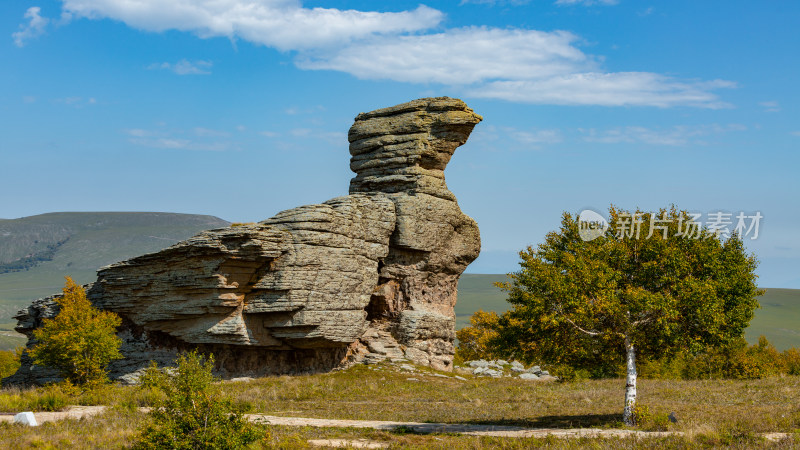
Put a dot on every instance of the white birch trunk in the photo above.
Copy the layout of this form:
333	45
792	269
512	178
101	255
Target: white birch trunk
630	385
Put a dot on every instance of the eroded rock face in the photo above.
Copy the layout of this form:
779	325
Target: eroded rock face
359	278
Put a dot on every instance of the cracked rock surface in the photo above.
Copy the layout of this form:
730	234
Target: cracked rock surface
357	279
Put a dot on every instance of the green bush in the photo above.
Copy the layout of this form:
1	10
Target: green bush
476	341
193	415
649	420
791	358
56	396
80	341
737	361
734	361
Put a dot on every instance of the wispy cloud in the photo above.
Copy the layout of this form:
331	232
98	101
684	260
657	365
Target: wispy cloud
535	137
184	67
608	89
646	12
138	132
35	27
519	65
795	133
77	102
207	132
182	144
198	138
675	136
771	106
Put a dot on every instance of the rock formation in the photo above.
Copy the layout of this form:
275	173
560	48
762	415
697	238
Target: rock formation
360	278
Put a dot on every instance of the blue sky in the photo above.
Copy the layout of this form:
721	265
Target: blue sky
240	108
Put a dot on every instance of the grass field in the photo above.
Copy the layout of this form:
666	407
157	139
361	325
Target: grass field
778	318
711	413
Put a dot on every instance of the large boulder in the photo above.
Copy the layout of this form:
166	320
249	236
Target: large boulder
360	278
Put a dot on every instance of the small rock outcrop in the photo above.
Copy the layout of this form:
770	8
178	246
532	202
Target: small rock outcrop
360	278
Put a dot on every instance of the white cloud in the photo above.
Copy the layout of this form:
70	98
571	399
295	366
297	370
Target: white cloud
35	27
269	134
608	89
795	133
29	99
511	64
185	67
283	24
675	136
458	56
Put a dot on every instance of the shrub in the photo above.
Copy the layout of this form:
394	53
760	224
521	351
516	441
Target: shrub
648	420
791	358
80	341
737	361
9	362
193	415
476	340
56	396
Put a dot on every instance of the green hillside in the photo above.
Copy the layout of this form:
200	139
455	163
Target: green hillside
778	318
37	252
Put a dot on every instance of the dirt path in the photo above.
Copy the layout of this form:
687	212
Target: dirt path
73	412
78	412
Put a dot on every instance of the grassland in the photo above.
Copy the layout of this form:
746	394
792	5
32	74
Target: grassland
710	412
90	241
778	318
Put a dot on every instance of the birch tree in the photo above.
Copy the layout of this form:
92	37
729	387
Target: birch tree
651	284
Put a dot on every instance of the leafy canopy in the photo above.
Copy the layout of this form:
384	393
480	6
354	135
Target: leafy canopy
80	340
574	301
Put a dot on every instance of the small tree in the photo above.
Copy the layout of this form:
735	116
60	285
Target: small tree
194	415
670	286
476	340
80	341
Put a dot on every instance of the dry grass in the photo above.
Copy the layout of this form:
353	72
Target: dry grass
711	413
771	404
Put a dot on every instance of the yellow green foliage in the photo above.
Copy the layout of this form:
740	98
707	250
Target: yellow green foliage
9	362
193	413
476	340
576	302
736	360
80	341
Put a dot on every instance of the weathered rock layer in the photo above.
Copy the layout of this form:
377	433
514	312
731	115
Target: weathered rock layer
359	278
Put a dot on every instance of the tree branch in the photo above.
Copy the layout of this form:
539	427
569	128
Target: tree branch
590	333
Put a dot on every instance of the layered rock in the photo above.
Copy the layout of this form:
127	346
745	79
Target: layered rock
359	278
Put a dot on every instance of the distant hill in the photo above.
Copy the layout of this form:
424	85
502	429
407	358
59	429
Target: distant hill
37	252
778	318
